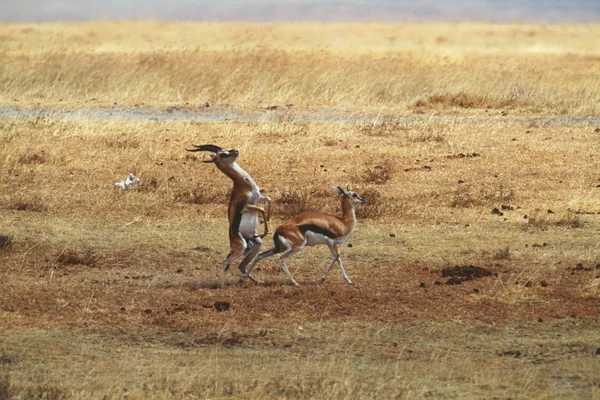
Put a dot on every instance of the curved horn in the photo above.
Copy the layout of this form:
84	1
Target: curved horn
206	147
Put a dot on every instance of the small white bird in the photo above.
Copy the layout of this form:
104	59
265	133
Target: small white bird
130	181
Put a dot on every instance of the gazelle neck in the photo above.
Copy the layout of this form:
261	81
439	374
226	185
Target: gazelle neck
348	213
237	174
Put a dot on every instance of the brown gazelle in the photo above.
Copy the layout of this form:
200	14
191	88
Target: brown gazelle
311	229
243	210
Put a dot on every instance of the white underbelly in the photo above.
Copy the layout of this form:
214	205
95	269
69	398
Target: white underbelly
313	239
249	224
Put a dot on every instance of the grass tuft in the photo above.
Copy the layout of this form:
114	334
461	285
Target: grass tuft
377	205
377	172
6	241
76	257
544	220
33	204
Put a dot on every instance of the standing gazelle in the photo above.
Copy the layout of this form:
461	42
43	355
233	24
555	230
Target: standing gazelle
311	229
243	210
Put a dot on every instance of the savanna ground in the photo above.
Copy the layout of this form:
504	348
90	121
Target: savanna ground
476	263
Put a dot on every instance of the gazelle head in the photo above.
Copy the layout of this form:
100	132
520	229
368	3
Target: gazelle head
221	157
352	197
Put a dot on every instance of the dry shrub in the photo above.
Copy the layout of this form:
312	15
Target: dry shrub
5	392
293	203
33	158
591	288
77	257
6	241
465	196
383	129
33	204
457	100
377	206
45	392
202	194
148	185
429	135
377	173
502	254
544	221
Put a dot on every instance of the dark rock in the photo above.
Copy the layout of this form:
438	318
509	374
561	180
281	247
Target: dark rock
221	306
495	211
454	281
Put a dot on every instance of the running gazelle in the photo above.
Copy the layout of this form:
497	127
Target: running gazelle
311	229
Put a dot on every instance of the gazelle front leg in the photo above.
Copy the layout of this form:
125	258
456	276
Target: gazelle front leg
268	201
336	257
261	211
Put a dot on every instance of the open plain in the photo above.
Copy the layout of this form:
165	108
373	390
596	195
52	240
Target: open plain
476	262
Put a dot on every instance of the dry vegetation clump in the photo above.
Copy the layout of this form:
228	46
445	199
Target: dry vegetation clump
379	171
468	195
547	219
6	241
378	206
86	258
33	204
382	129
201	194
33	158
452	100
292	203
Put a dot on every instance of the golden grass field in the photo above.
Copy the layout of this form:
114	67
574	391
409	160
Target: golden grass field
478	146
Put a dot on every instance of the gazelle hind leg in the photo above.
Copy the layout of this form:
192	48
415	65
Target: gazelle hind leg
251	251
262	255
289	253
238	247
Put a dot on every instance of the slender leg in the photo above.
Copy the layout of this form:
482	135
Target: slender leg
238	248
262	255
230	258
251	252
339	261
336	257
286	255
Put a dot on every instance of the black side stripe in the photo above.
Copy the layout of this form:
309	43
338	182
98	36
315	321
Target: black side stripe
316	229
277	243
237	219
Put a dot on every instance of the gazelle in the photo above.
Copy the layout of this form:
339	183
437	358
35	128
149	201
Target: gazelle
311	229
243	210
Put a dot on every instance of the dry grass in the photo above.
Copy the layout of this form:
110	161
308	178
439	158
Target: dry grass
518	67
465	285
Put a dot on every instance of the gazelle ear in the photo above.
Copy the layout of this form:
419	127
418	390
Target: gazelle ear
338	190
